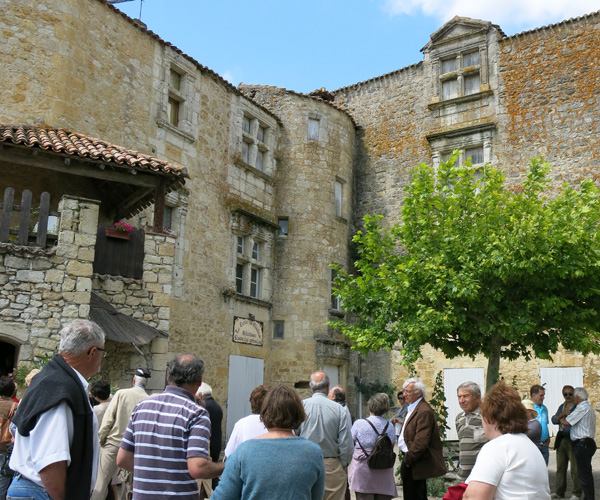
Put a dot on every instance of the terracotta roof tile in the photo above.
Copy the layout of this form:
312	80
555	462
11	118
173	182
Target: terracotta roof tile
70	143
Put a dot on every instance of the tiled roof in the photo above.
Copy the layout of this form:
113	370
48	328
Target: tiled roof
66	142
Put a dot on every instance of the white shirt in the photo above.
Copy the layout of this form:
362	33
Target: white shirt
246	428
401	442
48	442
582	421
514	465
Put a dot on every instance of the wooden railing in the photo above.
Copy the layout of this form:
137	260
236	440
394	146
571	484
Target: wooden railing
23	224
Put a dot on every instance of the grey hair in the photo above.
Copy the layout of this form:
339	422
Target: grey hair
80	335
137	380
581	393
419	385
185	369
472	387
379	404
321	386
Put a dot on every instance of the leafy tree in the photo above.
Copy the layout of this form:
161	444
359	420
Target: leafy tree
477	267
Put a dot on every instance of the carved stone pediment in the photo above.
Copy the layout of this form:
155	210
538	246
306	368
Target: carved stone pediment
457	29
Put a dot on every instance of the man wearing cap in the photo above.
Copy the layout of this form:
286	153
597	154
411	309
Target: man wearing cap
113	427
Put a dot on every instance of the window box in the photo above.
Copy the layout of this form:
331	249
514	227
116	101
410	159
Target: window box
113	233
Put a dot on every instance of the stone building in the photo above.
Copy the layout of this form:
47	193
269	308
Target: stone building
250	193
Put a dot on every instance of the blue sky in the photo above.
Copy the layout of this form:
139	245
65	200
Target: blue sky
310	44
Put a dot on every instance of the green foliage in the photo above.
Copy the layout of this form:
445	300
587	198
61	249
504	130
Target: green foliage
368	389
437	403
477	268
436	487
23	369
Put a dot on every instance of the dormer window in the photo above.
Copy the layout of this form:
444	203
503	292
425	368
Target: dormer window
460	75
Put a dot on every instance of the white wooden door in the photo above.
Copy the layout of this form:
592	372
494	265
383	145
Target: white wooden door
453	377
244	375
333	372
553	380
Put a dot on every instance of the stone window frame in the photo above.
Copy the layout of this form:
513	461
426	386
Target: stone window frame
340	197
254	268
335	304
255	152
278	325
442	144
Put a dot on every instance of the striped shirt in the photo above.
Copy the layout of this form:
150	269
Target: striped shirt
583	421
164	431
471	438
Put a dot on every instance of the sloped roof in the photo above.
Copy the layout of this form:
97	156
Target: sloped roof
119	326
67	142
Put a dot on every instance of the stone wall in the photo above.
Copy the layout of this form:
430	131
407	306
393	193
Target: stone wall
41	290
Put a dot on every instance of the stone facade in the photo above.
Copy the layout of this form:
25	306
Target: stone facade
278	184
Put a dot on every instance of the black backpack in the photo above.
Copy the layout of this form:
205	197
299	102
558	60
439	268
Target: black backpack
382	455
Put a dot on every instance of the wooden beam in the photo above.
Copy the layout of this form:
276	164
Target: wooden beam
75	167
159	207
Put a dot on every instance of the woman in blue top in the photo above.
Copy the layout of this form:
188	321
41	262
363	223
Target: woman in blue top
277	464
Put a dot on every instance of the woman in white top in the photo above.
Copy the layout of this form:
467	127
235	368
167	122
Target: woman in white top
251	426
509	466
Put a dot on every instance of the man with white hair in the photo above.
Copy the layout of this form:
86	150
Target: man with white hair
469	427
56	448
327	425
583	430
215	412
419	442
113	427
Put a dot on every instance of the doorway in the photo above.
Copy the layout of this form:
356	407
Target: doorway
244	375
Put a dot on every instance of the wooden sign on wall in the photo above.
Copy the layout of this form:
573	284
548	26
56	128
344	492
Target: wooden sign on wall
247	331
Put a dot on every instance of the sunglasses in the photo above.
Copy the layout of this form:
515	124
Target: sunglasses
565	394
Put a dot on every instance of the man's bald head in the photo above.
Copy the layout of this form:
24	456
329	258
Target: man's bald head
337	394
319	382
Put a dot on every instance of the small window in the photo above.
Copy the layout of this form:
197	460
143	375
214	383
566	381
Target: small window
240	244
261	134
476	155
246	124
470	59
471	84
313	129
449	89
239	278
338	198
254	282
278	329
283	226
175	80
256	250
173	110
335	301
245	151
449	65
258	165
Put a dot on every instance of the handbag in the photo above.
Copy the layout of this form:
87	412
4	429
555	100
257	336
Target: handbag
5	435
5	470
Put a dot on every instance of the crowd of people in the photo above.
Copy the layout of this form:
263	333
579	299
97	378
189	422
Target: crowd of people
67	440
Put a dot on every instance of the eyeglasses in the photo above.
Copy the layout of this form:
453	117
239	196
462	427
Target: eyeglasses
103	351
565	394
406	391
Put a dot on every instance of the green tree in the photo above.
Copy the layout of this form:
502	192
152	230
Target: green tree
477	267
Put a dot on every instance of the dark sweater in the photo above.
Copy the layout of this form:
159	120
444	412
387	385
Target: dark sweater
58	382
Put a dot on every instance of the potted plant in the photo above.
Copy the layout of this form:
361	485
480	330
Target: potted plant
122	230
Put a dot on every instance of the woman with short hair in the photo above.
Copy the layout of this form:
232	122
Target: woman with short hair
509	466
367	483
277	464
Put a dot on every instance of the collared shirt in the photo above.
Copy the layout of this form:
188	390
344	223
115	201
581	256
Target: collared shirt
568	406
471	438
583	421
543	419
50	442
401	442
164	431
327	425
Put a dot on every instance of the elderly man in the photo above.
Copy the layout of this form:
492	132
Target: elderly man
583	429
327	425
564	448
166	441
537	394
56	447
338	395
113	427
419	442
469	427
215	413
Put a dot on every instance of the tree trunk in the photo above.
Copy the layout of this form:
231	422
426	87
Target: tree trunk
493	370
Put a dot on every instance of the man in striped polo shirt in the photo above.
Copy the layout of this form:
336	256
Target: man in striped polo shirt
166	441
469	427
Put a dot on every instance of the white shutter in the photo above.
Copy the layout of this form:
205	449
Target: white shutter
244	375
553	380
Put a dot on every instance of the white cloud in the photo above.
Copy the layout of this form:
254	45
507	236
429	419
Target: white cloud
531	13
228	75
